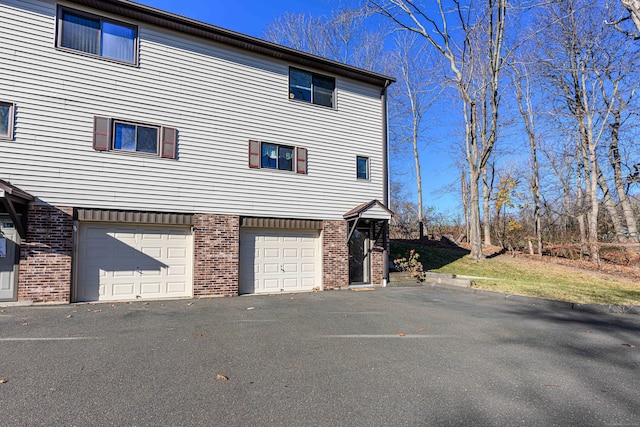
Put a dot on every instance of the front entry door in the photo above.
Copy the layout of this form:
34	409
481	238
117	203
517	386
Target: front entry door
9	254
359	264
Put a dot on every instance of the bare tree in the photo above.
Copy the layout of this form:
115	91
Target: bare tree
469	38
523	86
410	100
343	36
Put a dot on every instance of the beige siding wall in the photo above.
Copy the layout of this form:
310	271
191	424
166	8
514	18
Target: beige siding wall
217	97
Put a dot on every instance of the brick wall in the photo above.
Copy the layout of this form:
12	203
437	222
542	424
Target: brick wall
45	256
216	255
377	248
335	255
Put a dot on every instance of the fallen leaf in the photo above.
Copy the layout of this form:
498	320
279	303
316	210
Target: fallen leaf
69	316
88	309
198	335
25	324
74	311
4	381
97	311
345	315
422	329
400	334
190	303
222	377
251	308
145	303
629	345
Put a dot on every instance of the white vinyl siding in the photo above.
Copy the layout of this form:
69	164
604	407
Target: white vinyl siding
217	97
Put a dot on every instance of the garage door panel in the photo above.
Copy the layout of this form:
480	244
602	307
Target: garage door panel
271	284
122	289
290	267
290	253
176	287
271	268
150	288
118	262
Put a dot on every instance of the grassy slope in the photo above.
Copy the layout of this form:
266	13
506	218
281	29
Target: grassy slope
521	276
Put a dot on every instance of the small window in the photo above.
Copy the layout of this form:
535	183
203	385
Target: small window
110	134
6	120
362	167
310	87
96	36
275	156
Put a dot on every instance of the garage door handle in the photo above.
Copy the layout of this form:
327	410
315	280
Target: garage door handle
282	268
138	269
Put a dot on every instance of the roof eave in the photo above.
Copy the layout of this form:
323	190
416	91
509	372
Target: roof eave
150	15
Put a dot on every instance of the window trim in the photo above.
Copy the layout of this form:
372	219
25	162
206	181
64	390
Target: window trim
10	120
59	28
333	105
368	160
136	125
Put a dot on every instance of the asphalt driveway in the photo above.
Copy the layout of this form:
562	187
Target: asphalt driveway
389	357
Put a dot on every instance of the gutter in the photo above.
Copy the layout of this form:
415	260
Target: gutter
385	179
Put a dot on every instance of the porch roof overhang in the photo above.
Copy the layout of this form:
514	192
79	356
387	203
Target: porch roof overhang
373	211
14	201
370	210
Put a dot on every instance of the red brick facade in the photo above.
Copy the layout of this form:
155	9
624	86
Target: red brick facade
335	255
45	256
216	255
377	253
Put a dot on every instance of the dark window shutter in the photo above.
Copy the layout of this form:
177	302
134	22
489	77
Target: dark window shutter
254	154
101	133
169	143
301	160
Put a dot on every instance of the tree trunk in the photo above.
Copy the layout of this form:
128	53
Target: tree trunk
486	209
614	159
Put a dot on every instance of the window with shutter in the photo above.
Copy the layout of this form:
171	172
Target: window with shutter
119	135
266	155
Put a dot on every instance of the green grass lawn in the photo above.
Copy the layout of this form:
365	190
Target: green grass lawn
523	276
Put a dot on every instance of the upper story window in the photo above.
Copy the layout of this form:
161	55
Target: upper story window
362	167
267	155
6	120
119	135
96	36
311	87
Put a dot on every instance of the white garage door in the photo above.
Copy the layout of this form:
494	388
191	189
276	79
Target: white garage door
279	261
126	262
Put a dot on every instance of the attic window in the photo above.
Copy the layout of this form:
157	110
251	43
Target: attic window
97	36
311	87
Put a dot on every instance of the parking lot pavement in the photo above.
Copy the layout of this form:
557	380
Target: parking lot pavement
394	356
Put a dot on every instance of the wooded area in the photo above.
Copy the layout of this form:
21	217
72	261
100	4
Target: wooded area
543	100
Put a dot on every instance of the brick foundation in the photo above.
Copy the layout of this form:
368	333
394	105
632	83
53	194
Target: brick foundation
335	255
46	254
216	255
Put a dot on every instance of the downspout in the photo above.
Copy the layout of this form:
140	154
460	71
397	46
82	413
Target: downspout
385	181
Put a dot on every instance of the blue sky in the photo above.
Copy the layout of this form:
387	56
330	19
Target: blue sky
251	17
244	16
